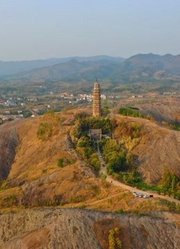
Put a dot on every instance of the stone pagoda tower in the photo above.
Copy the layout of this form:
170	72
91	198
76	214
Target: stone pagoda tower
96	100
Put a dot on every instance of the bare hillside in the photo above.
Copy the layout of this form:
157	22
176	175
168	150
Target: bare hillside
156	147
161	108
73	229
45	171
38	177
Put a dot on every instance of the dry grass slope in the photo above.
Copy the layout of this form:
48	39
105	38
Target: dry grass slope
156	147
36	179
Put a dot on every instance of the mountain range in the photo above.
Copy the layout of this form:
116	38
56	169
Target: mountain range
140	67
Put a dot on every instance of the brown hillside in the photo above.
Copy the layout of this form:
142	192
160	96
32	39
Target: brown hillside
157	147
70	228
37	179
160	108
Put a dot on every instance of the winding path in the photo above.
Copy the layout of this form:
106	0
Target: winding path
133	189
127	187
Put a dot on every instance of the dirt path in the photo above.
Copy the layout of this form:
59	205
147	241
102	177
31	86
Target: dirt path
133	189
122	185
105	199
129	189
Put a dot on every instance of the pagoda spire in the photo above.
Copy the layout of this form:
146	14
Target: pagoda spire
96	100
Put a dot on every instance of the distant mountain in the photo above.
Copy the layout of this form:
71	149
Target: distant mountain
74	70
15	67
140	67
151	66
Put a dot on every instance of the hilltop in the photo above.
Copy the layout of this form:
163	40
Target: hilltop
41	171
46	170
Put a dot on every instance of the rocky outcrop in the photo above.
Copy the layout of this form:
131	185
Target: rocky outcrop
74	228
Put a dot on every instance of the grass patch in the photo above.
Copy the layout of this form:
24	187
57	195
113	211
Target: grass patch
44	131
77	199
132	111
10	201
3	185
49	127
172	206
175	126
62	162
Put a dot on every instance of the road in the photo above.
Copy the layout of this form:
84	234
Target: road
133	189
122	185
127	187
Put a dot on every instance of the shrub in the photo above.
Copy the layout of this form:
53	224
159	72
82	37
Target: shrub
113	238
170	184
136	128
62	162
44	131
131	111
88	151
175	125
132	130
110	145
85	147
84	142
77	199
49	127
115	156
116	162
94	161
10	201
3	184
172	206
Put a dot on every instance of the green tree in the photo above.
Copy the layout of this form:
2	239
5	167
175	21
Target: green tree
116	162
170	182
94	161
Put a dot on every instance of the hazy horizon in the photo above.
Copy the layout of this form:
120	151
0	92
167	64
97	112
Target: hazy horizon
43	29
85	56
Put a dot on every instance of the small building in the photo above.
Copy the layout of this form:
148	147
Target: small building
95	134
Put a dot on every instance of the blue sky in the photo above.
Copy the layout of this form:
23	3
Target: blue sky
31	29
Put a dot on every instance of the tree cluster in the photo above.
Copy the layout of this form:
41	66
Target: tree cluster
170	184
131	111
84	123
116	156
